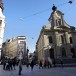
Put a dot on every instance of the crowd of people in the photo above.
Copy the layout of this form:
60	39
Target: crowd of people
46	63
9	64
49	63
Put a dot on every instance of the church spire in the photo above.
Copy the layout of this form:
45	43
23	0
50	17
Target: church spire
1	4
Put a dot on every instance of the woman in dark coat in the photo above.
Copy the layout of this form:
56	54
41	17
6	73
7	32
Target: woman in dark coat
32	65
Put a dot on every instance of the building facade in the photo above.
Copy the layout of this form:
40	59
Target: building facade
14	48
2	25
57	39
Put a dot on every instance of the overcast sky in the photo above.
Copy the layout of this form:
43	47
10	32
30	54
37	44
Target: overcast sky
26	17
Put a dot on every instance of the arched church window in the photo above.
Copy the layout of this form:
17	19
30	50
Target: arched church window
62	39
58	22
50	39
71	40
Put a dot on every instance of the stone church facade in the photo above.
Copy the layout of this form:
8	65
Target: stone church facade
57	39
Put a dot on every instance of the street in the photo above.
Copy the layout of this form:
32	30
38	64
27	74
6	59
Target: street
57	71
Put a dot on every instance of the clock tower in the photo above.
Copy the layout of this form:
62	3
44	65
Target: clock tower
2	24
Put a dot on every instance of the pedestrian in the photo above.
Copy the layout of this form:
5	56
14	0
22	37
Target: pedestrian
10	64
32	65
27	65
40	64
50	62
54	62
45	63
61	63
14	63
4	64
20	67
7	65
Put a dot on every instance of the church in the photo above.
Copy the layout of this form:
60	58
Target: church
57	39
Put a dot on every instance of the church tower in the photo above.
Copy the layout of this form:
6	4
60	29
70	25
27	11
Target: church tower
57	18
2	24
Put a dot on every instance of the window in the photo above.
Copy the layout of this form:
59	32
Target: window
21	42
71	40
58	22
0	22
50	39
62	39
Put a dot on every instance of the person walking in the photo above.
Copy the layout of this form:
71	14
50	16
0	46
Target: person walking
20	67
61	63
50	62
54	62
14	63
27	65
40	64
32	65
10	64
4	64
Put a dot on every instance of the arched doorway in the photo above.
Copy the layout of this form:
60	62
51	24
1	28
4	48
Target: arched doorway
73	52
51	53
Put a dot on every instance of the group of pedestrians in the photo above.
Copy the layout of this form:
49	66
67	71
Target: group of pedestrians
42	64
9	64
45	63
49	63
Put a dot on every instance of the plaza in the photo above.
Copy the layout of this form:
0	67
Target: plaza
57	71
54	44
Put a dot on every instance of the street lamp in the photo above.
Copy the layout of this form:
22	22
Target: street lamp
27	53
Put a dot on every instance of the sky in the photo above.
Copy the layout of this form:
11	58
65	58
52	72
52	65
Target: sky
27	17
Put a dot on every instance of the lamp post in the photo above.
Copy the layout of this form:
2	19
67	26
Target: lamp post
27	53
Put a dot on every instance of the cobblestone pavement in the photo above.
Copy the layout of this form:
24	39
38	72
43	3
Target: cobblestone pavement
57	71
